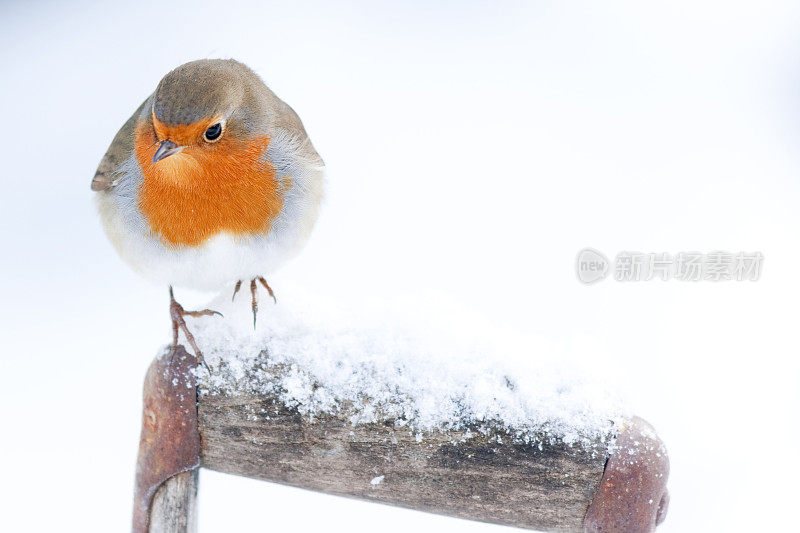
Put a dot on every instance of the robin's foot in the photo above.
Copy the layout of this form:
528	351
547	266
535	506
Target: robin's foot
254	293
177	312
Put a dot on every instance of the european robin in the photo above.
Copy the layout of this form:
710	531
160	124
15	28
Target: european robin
212	181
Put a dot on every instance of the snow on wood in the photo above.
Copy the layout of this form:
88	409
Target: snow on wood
328	361
367	408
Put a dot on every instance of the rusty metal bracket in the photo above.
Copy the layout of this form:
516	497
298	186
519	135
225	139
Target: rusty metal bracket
170	441
632	496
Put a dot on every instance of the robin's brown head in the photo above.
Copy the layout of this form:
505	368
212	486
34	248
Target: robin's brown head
202	102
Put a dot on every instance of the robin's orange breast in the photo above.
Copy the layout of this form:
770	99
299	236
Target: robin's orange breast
225	187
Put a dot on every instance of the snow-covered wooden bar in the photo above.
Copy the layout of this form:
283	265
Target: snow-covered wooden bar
484	471
510	434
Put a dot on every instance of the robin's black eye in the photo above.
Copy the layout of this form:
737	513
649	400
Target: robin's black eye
213	132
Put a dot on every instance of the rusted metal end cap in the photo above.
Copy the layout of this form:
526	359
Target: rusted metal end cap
170	441
632	496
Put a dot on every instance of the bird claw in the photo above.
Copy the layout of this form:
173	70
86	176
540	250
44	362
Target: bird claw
269	289
177	312
236	289
254	294
204	312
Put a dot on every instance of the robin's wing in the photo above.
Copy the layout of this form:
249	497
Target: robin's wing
288	120
119	151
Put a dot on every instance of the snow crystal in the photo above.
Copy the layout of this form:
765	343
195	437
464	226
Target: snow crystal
383	369
376	480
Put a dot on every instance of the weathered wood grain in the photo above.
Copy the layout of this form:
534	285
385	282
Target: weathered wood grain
469	475
174	508
169	443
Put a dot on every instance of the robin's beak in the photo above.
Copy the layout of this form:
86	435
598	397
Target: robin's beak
166	149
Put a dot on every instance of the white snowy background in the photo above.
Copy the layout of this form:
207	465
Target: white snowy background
472	150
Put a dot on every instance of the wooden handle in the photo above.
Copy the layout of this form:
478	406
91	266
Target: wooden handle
619	478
